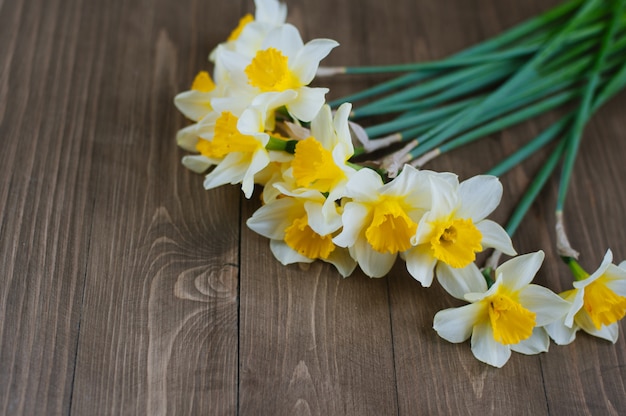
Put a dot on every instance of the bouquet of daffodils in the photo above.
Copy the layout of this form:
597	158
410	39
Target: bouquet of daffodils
348	195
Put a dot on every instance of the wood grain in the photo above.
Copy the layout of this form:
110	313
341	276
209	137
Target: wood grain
125	288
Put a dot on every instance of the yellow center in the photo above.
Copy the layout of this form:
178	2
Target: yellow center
227	139
269	71
300	237
314	167
456	242
602	304
391	228
248	18
510	321
203	82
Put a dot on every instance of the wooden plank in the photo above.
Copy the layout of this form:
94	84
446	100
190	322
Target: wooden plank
311	343
159	324
45	209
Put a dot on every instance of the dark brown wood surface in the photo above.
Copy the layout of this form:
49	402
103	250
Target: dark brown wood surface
125	288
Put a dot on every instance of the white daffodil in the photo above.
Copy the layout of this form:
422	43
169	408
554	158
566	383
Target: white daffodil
236	145
282	63
507	317
249	34
298	232
380	219
597	301
451	233
320	160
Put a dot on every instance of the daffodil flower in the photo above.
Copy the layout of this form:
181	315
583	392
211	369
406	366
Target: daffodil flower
509	316
282	63
380	219
320	160
298	231
597	301
237	145
454	229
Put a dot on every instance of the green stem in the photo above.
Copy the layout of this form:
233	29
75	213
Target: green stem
585	109
529	27
576	269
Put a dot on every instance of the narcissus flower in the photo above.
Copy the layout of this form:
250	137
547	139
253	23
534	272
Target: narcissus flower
320	160
454	229
298	231
507	317
380	219
283	62
598	302
236	145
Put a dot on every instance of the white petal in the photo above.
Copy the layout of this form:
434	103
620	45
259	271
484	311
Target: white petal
267	102
373	263
608	332
538	342
319	222
456	324
547	305
285	38
576	305
341	259
479	196
413	185
308	58
322	128
444	196
308	103
272	219
520	271
425	228
486	348
270	11
259	161
230	170
187	138
459	282
286	255
353	218
197	163
606	262
363	186
616	279
420	264
194	104
342	125
494	236
560	333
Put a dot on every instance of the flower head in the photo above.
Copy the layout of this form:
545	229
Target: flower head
598	302
454	229
236	145
380	219
282	63
509	316
298	231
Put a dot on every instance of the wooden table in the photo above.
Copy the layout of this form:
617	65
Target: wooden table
126	288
